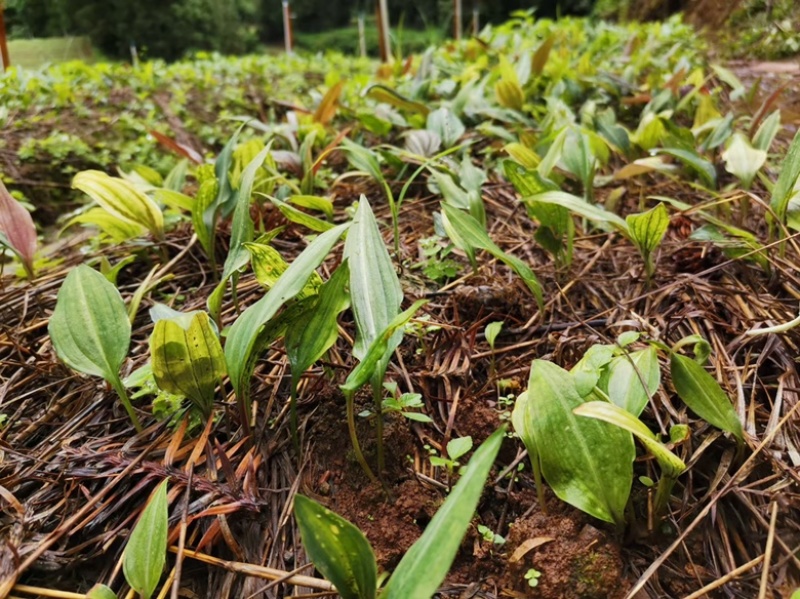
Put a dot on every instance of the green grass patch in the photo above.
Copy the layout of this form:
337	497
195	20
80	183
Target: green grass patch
33	53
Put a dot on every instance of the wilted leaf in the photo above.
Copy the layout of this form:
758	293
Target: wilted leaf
327	106
17	230
542	54
146	551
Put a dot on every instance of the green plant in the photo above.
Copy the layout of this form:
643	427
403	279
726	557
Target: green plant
90	330
186	356
591	467
402	404
17	231
532	576
343	555
456	449
488	535
146	551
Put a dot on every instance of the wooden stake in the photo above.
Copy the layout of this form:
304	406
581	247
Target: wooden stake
457	19
362	36
476	19
3	44
288	40
382	17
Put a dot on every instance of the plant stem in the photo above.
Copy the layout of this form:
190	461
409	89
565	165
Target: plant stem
351	425
663	493
293	416
537	478
377	398
126	403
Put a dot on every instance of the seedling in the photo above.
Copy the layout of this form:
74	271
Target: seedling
490	536
456	449
532	576
344	556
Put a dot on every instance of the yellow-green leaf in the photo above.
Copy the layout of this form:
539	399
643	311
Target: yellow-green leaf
121	199
187	358
269	265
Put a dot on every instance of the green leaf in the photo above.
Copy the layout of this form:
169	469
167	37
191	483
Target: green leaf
338	549
580	207
378	350
701	166
363	159
89	328
492	331
309	338
101	591
465	232
146	551
385	94
458	447
703	394
241	341
769	128
207	193
122	199
622	379
446	125
646	230
374	286
587	372
784	187
187	358
743	160
588	464
671	464
425	565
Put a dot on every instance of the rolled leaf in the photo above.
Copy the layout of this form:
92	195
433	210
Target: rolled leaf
17	230
338	549
146	551
187	358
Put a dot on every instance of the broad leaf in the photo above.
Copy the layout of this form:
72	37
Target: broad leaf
622	379
268	266
89	328
446	125
425	565
374	286
101	591
338	549
587	372
17	230
646	230
122	199
307	340
117	229
146	551
580	207
588	464
613	414
743	160
703	394
701	166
